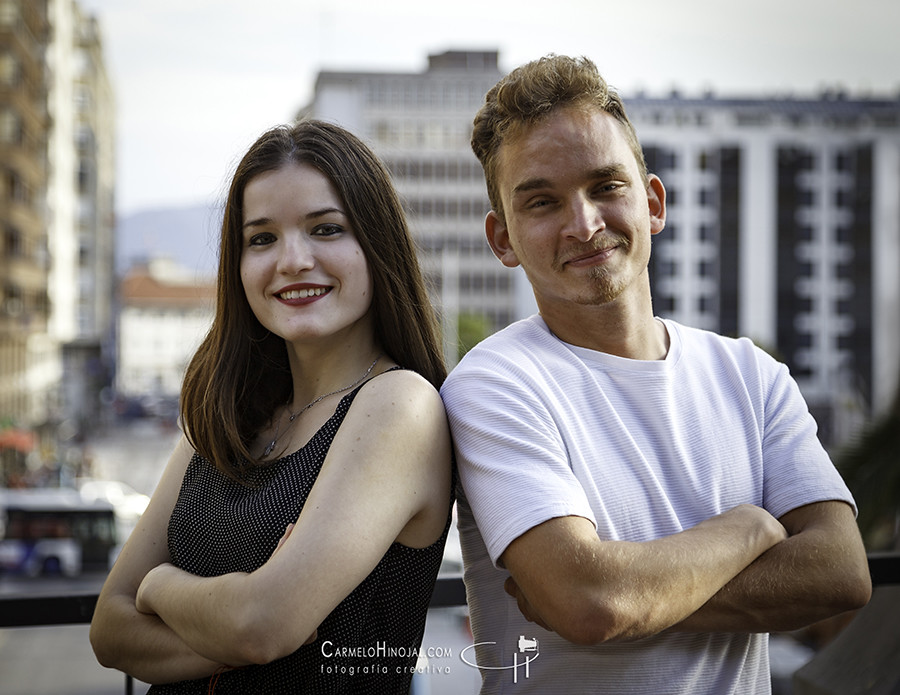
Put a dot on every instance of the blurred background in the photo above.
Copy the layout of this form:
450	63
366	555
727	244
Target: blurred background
775	127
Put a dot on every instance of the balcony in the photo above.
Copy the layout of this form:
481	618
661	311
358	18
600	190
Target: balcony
865	650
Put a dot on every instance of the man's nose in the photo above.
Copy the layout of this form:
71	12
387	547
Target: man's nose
585	219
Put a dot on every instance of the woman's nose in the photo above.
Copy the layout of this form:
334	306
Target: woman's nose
296	255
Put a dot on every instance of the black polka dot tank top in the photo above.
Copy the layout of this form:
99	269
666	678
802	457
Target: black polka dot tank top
368	644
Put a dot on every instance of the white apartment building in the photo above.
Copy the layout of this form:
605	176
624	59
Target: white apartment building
80	213
783	217
784	226
165	313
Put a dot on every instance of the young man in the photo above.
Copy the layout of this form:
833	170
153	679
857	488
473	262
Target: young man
641	501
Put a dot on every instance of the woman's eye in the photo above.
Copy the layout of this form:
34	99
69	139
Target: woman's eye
327	230
261	239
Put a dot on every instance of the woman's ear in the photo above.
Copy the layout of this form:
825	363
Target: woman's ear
497	234
656	200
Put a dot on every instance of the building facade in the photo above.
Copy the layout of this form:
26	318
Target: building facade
56	201
783	218
420	125
166	312
25	351
784	226
80	212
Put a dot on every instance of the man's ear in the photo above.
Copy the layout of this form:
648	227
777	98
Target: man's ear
498	237
656	199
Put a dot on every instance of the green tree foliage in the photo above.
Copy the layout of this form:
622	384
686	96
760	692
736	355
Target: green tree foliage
871	467
472	329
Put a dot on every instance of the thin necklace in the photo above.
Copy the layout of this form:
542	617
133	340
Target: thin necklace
293	416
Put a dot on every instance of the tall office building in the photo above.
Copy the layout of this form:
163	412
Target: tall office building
24	255
80	212
420	125
783	217
56	202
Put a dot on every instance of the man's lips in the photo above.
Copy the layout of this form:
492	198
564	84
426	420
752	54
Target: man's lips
591	256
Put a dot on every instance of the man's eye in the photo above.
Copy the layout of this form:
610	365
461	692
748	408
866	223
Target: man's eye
610	187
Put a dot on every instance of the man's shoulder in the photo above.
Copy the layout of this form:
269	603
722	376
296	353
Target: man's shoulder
524	352
698	340
713	353
524	340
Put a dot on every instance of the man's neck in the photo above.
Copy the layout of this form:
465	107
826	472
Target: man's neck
613	329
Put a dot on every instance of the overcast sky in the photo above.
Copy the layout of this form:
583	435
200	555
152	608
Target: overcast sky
197	80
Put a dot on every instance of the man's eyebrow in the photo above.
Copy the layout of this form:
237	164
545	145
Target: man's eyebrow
599	174
262	221
530	185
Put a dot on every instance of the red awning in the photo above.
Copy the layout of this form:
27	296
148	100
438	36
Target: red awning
20	440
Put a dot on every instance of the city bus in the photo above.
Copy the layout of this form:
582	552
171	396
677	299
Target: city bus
55	531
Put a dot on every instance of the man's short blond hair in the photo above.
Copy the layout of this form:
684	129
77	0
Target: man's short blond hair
528	95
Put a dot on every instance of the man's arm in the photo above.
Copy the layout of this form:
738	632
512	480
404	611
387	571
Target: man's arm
819	571
591	591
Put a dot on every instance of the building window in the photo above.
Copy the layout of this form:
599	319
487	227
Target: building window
667	268
10	127
13	246
665	304
9	70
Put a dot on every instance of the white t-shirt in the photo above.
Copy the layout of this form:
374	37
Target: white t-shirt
643	449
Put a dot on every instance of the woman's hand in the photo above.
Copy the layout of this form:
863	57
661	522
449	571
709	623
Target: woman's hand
153	578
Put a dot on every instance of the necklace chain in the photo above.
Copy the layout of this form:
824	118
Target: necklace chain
293	416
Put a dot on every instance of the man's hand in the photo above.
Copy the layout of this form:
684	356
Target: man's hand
525	608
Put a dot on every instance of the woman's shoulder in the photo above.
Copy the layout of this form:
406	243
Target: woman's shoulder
398	382
397	395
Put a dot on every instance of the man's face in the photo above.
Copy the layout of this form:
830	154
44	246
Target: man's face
578	215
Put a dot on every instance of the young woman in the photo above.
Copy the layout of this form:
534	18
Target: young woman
296	533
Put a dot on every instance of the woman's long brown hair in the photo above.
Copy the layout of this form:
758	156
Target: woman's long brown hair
240	372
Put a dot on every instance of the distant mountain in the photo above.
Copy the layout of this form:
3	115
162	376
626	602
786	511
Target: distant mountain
188	235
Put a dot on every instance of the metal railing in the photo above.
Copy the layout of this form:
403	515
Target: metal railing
76	609
72	609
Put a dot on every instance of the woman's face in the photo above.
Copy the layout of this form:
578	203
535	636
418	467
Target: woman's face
303	271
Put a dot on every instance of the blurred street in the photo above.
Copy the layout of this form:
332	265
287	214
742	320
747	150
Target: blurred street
58	660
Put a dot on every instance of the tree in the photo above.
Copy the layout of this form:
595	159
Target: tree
871	467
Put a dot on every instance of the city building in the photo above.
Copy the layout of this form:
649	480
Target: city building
784	226
25	350
165	313
56	220
420	125
783	217
80	215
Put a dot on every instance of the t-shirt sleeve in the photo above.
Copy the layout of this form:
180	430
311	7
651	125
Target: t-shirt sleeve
798	470
513	464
